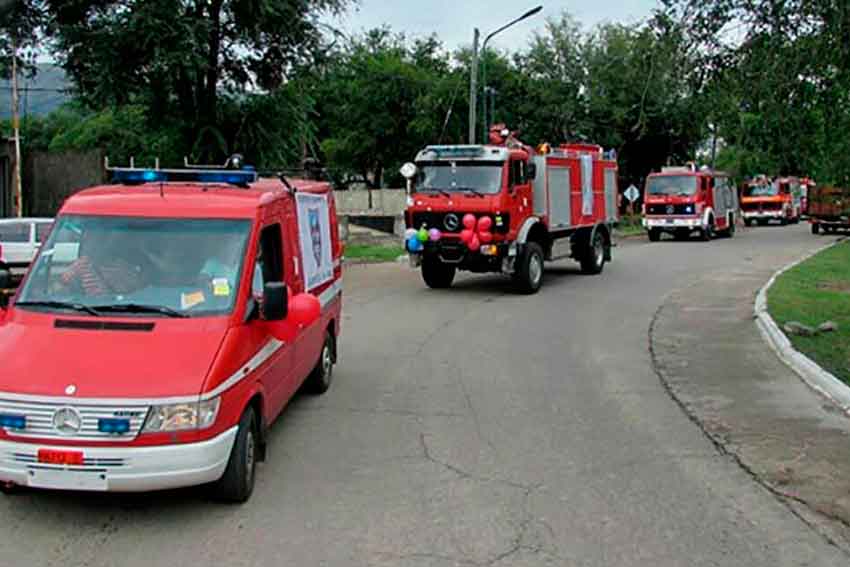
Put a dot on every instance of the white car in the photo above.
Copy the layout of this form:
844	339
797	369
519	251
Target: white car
19	242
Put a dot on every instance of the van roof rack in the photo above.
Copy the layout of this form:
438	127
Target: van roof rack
233	172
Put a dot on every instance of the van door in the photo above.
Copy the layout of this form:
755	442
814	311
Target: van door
279	380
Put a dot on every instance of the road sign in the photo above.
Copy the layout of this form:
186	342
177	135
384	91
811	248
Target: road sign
632	193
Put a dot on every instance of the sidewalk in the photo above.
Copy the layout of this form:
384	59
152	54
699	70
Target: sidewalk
710	355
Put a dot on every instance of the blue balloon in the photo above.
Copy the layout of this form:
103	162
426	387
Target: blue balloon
413	244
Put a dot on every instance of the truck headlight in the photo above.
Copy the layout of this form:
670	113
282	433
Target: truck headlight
182	417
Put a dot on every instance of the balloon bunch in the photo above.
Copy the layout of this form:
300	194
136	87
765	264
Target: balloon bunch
415	239
476	232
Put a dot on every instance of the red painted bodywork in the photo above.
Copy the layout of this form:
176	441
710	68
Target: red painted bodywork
784	201
179	357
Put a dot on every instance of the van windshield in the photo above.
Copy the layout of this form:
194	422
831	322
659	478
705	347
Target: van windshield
125	265
678	185
477	177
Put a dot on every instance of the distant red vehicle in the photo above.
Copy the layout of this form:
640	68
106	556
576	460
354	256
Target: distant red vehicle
829	209
164	325
508	208
684	200
765	200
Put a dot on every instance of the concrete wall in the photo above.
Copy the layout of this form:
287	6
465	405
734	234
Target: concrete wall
381	202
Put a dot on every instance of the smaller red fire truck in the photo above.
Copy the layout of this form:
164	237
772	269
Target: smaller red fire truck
764	200
163	326
508	208
682	200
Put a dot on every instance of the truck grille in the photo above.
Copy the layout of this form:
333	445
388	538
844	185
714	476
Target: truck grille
663	209
438	220
39	420
758	207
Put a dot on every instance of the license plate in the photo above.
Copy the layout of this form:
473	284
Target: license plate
56	457
60	479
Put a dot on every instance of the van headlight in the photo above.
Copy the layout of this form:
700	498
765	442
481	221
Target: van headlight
182	417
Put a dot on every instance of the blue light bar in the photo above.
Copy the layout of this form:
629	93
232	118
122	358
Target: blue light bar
8	421
131	176
116	426
457	151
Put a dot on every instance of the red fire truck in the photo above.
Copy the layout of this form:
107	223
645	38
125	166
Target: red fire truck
164	325
764	200
508	208
681	200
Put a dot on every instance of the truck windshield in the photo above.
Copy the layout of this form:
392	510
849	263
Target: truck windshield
679	185
761	190
125	265
478	177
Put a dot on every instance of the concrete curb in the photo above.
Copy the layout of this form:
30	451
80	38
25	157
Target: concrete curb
808	370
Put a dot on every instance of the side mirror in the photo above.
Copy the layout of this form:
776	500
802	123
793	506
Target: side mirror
275	301
532	171
5	279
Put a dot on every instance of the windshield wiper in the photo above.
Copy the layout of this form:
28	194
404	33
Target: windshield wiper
139	308
59	305
475	192
442	192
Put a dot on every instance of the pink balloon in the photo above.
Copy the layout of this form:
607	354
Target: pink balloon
466	235
485	237
434	234
484	224
474	244
469	221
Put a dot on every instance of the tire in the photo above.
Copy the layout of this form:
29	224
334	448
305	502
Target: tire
783	221
529	272
10	488
237	482
815	228
762	222
748	222
321	377
593	258
436	274
654	234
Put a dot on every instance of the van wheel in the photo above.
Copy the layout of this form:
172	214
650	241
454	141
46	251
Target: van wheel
815	228
593	259
320	378
237	482
436	274
654	234
529	271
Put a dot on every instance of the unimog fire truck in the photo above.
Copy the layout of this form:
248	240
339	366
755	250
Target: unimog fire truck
508	208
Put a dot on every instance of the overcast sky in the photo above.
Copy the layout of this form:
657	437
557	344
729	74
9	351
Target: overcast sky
454	20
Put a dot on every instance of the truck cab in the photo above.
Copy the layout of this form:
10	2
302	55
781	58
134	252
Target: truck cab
778	200
684	200
507	208
165	323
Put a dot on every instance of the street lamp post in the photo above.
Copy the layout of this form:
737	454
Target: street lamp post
527	15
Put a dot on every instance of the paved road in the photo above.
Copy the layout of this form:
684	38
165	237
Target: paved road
471	427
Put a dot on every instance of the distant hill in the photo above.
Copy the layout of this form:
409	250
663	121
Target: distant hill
40	95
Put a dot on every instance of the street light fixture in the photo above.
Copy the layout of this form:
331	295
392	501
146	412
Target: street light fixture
474	73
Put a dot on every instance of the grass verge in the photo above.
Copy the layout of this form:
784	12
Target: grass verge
813	292
364	253
630	225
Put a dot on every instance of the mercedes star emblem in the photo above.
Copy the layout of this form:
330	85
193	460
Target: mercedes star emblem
670	209
451	222
67	421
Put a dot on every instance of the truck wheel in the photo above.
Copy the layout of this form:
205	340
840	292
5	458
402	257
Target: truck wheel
593	259
815	228
654	234
436	274
320	378
237	482
730	232
783	221
748	222
707	233
529	271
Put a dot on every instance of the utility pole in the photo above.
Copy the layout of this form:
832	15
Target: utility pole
473	88
16	127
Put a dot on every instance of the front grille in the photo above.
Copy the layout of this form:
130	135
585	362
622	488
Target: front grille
99	463
39	420
758	207
664	209
438	220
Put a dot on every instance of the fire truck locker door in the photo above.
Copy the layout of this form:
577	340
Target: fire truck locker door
610	194
541	197
560	195
586	185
